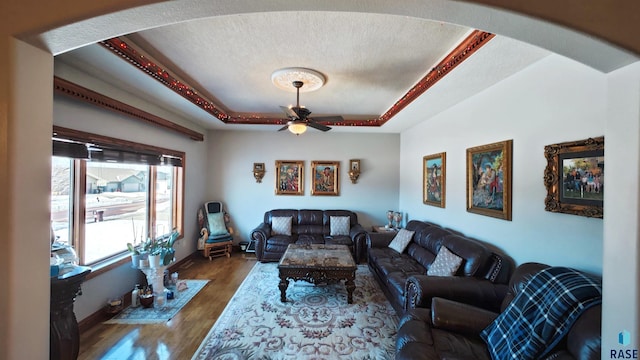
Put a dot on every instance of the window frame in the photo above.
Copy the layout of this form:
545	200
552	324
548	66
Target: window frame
79	171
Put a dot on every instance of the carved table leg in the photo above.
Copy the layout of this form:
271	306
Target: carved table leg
350	285
283	288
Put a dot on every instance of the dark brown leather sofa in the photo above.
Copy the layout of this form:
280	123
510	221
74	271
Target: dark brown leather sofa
481	278
451	330
307	227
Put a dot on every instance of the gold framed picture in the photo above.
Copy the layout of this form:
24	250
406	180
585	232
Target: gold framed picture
489	179
289	177
434	179
354	165
574	177
325	178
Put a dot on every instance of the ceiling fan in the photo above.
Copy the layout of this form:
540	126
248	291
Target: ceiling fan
299	116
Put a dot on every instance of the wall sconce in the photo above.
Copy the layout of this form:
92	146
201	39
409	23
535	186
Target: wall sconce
258	171
354	170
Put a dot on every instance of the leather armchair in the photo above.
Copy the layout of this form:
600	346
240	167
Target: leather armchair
451	329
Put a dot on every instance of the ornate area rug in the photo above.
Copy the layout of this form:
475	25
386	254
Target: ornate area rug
142	315
315	323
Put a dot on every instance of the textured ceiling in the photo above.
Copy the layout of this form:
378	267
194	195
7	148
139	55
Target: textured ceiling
369	60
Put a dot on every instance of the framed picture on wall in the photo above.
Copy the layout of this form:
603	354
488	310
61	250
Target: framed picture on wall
289	177
433	179
354	165
574	177
325	178
489	179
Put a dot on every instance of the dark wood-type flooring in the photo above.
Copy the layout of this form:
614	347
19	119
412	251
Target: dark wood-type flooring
180	337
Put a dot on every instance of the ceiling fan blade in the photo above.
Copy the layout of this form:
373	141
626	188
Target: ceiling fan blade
336	118
320	127
284	128
289	112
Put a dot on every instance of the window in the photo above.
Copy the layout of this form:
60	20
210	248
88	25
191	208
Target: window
61	198
106	193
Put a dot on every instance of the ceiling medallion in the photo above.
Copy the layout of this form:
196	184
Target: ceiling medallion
284	78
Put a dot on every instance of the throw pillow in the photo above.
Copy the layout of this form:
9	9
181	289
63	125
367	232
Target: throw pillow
401	240
216	224
281	225
445	264
340	225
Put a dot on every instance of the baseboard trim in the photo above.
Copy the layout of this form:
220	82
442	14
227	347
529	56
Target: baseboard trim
100	315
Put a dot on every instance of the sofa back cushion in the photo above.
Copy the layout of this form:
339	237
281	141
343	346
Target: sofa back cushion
519	279
429	238
309	222
475	255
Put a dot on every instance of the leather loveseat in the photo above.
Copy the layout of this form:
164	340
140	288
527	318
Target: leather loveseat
307	227
451	330
480	279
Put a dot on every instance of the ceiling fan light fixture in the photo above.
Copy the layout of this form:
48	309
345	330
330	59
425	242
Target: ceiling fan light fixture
297	128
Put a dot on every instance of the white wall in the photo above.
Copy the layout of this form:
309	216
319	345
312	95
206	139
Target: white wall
231	155
73	114
622	249
552	101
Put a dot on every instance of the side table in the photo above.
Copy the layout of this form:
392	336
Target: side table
64	333
382	229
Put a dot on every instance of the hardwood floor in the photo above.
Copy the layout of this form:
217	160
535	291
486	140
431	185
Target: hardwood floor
180	337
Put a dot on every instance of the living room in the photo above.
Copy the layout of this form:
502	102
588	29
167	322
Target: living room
553	100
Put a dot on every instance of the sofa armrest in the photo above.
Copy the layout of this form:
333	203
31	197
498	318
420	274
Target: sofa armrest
379	240
421	289
356	230
359	237
261	233
458	317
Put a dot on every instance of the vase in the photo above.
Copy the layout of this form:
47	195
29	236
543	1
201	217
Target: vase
390	218
135	261
397	217
154	261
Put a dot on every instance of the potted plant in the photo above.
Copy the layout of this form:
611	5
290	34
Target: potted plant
136	254
161	251
168	252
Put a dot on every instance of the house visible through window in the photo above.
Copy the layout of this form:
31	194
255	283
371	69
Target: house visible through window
112	194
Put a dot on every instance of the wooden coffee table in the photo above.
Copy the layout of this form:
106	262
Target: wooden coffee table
317	263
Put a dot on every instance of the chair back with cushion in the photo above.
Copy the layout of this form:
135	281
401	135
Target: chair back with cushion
216	236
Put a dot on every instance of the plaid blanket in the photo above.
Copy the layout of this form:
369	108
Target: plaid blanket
541	314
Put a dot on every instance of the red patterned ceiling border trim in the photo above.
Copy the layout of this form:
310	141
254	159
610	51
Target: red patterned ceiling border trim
89	96
127	52
468	46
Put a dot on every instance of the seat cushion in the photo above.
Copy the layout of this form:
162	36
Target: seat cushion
307	239
388	261
338	240
219	238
